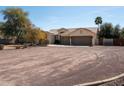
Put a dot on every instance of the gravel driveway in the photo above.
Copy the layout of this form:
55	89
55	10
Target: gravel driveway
60	65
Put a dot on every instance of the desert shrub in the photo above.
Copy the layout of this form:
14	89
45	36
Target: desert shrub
25	46
35	36
43	42
18	47
1	46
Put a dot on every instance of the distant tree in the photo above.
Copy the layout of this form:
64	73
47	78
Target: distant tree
122	33
98	21
17	25
116	31
106	30
16	21
1	26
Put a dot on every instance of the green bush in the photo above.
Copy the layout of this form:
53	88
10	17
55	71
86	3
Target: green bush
18	47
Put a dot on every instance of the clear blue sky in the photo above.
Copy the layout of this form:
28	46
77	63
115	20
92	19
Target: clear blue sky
69	17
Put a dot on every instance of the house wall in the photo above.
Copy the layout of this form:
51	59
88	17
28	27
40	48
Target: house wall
51	38
95	40
85	32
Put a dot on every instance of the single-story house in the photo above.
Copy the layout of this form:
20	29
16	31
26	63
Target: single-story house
73	36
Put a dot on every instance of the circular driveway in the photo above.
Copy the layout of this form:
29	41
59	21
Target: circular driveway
60	65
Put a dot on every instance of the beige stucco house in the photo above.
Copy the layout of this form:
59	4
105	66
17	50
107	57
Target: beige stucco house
74	36
51	37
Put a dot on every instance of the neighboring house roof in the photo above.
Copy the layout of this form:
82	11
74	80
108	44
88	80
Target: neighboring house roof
70	30
49	33
54	31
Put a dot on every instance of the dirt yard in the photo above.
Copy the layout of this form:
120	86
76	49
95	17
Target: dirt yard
59	65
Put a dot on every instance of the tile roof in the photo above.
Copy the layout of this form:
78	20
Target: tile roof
69	30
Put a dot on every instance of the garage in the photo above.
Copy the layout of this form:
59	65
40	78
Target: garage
81	40
76	40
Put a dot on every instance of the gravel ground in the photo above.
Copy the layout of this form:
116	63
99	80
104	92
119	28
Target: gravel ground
117	82
59	65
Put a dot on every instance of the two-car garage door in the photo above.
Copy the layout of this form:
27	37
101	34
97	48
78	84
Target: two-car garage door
77	40
81	40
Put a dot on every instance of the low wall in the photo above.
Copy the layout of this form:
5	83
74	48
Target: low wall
6	41
107	42
116	42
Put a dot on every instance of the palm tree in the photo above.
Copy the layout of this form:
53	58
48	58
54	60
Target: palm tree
98	21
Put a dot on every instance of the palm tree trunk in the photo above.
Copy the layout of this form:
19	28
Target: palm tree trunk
98	27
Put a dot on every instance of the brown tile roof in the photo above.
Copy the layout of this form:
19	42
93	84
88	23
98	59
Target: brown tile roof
69	30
